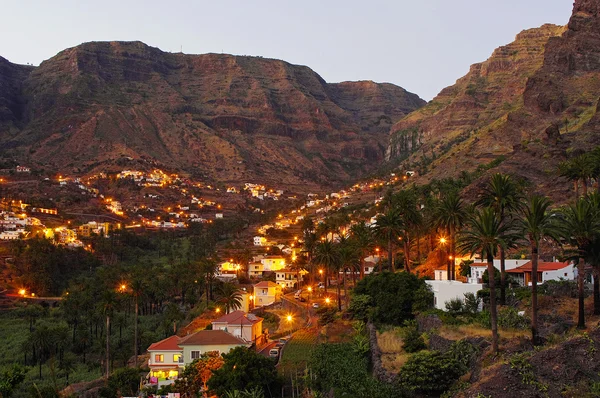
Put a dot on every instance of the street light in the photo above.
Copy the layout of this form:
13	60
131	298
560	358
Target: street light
327	300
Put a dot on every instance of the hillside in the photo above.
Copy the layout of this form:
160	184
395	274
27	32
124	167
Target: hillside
221	117
531	104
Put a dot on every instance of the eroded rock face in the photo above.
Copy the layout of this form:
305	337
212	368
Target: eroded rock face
529	103
231	117
11	102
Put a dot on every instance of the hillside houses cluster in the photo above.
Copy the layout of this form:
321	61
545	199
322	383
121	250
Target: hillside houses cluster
14	226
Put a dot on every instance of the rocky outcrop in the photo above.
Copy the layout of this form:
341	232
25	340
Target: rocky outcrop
229	118
530	104
11	102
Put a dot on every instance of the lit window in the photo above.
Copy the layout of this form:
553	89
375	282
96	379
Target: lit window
195	355
176	357
159	358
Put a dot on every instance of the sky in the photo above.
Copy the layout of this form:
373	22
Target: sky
421	45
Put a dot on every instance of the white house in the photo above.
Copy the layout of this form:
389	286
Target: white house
247	326
479	267
444	291
260	241
545	272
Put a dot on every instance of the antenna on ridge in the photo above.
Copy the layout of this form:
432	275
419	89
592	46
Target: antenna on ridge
181	49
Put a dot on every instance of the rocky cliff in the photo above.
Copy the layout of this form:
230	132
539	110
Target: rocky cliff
227	118
11	102
531	103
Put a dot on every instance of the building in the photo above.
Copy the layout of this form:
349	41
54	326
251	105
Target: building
288	277
255	269
546	271
273	263
444	291
170	356
266	293
260	241
248	327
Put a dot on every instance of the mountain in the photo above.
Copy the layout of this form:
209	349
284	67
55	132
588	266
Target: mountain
533	103
11	101
226	118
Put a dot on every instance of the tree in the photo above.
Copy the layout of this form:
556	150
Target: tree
244	369
395	297
580	168
362	237
108	306
580	225
10	379
389	227
405	202
326	256
535	224
230	297
486	234
502	195
197	374
349	258
451	215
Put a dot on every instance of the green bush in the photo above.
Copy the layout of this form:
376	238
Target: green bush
326	315
508	317
429	373
454	306
472	303
412	340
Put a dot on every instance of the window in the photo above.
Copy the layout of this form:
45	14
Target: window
159	358
177	358
195	355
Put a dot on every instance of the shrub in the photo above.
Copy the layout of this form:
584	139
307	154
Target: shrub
454	306
472	303
326	315
508	317
429	372
413	340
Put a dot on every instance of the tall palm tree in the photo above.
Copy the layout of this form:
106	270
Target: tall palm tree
349	256
230	297
580	226
485	234
535	224
108	306
405	202
327	255
502	194
208	267
362	237
451	215
137	288
389	227
310	242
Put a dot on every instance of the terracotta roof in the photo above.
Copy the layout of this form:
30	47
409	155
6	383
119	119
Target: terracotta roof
211	337
266	284
542	266
168	344
237	318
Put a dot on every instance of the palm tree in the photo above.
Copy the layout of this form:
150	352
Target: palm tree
580	168
230	297
137	287
486	234
405	202
389	227
362	237
208	268
580	226
310	243
450	214
535	224
108	306
349	256
41	339
327	255
502	194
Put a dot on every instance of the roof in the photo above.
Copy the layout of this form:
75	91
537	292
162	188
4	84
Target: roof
542	266
266	284
168	344
479	265
238	318
272	257
211	337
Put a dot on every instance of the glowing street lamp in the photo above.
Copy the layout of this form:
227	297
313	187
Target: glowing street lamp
327	300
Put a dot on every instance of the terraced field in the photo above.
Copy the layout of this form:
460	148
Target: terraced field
298	350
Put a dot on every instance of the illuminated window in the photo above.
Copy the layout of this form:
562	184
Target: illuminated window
195	355
159	358
176	357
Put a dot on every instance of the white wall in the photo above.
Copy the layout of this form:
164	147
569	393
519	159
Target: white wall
444	291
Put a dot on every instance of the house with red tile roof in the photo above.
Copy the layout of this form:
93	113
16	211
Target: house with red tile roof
247	326
170	356
546	271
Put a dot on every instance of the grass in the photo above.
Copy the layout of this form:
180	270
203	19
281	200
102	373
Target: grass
298	350
13	334
393	355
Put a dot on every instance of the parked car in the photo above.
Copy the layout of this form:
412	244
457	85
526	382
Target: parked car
302	299
321	285
315	305
274	352
298	294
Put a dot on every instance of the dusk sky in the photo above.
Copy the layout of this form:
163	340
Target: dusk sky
422	46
